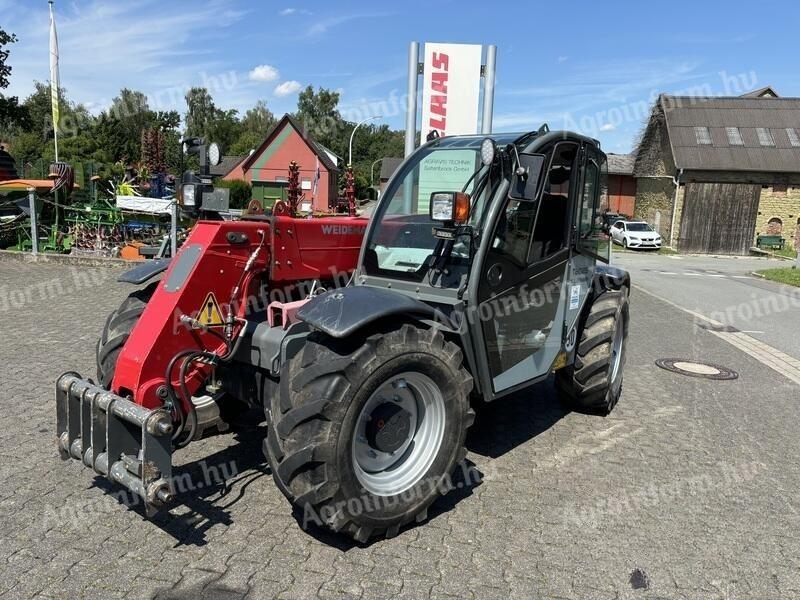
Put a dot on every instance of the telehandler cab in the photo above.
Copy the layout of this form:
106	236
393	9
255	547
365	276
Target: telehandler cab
482	270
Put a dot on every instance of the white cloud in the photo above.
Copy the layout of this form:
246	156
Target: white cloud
263	73
286	12
322	26
162	60
287	88
563	59
608	127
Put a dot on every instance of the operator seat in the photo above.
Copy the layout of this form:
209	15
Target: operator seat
551	223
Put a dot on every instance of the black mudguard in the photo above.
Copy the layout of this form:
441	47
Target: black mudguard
145	271
607	277
340	313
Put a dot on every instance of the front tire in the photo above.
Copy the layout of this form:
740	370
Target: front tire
594	381
365	433
117	329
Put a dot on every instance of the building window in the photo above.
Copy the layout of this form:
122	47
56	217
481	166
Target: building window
765	136
774	226
703	136
794	139
779	189
734	136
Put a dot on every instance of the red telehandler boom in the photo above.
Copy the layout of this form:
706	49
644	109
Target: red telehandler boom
210	332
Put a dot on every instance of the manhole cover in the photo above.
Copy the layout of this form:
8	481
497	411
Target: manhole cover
693	368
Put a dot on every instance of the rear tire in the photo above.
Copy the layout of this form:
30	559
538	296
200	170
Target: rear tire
116	331
317	441
594	381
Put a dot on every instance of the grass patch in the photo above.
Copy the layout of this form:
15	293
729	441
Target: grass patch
786	252
785	275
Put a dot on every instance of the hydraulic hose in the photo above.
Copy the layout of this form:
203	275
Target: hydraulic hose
177	408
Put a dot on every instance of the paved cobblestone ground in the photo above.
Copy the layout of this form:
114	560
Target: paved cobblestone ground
688	490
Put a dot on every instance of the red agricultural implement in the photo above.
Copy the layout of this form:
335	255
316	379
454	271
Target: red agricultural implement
181	350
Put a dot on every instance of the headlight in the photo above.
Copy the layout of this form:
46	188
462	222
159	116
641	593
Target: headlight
188	195
449	207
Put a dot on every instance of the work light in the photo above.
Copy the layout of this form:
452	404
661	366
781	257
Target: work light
487	151
214	154
449	207
188	195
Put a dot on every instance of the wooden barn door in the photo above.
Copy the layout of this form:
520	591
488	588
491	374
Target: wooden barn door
719	218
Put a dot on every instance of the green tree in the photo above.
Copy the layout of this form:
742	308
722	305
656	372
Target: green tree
5	69
14	117
255	126
224	128
241	192
35	140
133	116
200	112
318	112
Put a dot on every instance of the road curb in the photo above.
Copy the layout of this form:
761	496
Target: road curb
65	259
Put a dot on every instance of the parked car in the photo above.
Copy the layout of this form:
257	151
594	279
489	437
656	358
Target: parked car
609	218
635	234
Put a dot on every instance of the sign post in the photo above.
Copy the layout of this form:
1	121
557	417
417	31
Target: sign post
488	89
173	229
34	227
411	100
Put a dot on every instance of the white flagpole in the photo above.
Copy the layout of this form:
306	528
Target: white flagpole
54	80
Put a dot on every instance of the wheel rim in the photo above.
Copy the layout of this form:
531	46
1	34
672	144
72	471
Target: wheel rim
616	352
390	461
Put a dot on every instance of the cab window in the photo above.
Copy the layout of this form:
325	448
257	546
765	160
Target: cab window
593	203
552	222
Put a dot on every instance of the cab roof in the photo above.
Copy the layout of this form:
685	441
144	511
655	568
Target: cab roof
522	139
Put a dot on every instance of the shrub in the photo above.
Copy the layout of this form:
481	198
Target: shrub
241	191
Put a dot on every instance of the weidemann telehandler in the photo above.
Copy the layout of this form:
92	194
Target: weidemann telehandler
482	270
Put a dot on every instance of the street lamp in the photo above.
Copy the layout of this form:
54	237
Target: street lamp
350	155
372	171
371	176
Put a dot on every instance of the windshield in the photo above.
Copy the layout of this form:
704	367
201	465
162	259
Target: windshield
402	241
639	227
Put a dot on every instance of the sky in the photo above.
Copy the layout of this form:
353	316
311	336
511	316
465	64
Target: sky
593	67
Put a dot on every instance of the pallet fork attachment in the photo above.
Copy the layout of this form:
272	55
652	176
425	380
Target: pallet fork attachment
127	443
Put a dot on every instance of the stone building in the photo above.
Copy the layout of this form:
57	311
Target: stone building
621	184
714	172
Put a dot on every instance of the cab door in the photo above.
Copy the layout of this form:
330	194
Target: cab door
588	245
519	309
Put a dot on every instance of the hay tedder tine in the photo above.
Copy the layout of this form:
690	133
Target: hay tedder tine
129	444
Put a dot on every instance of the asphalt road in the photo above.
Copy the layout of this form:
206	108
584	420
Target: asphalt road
688	490
725	290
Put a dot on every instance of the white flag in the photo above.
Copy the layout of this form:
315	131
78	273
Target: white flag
54	74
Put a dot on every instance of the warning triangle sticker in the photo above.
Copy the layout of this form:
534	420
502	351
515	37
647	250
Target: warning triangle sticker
210	314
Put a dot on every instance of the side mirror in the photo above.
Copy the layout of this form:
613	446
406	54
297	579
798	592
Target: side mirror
525	180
